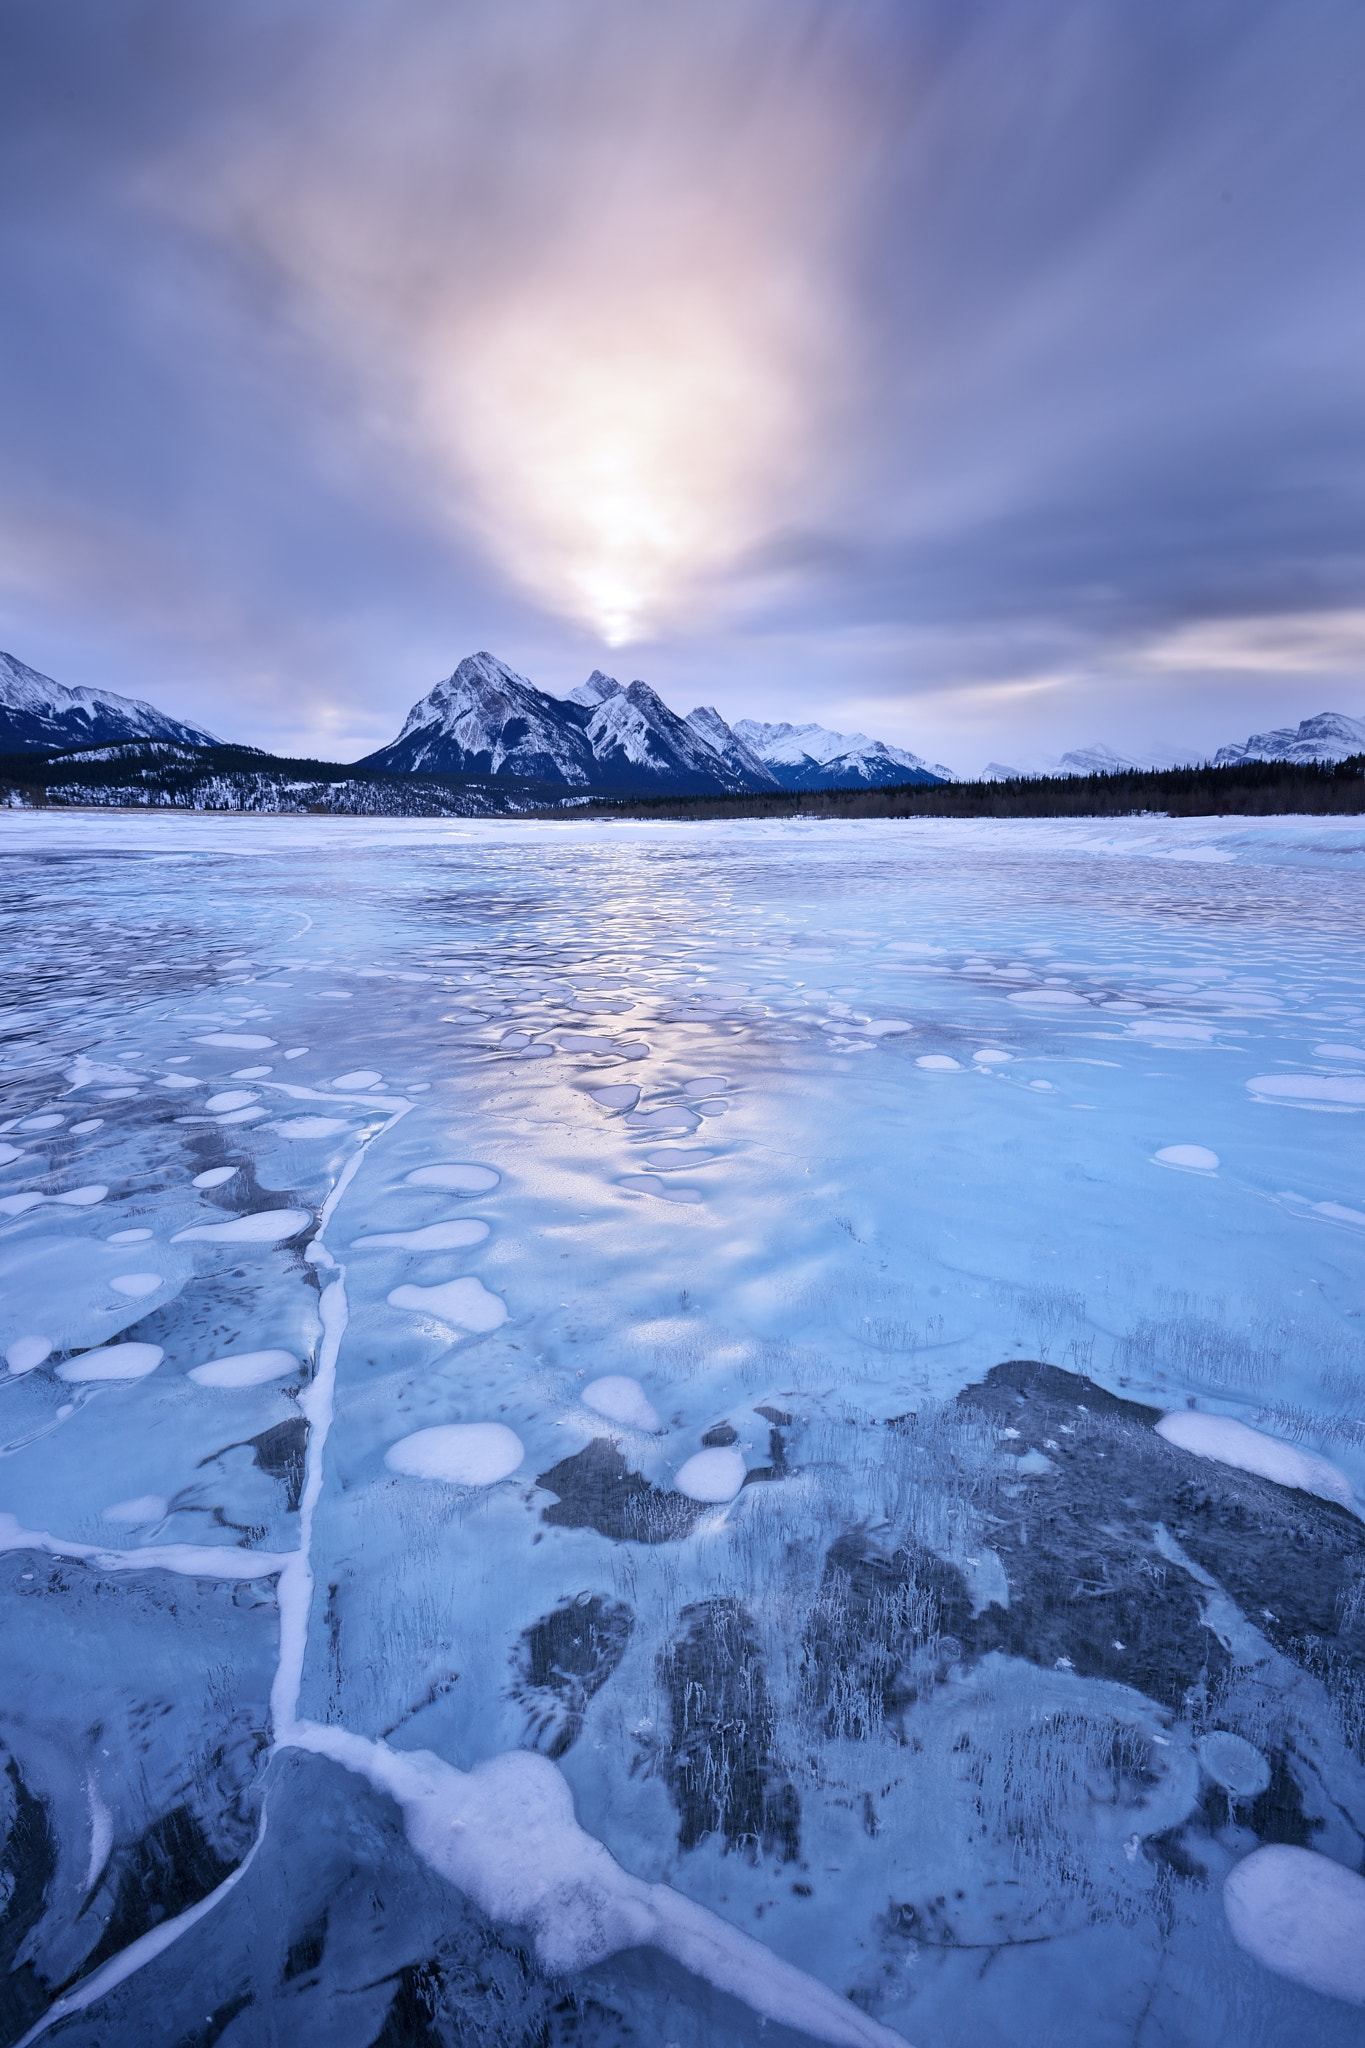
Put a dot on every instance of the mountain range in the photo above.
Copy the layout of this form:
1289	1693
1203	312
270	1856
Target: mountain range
487	722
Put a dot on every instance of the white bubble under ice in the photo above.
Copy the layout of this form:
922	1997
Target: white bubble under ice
460	1453
244	1369
714	1475
466	1304
452	1236
621	1399
113	1362
454	1178
1193	1158
266	1226
1301	1915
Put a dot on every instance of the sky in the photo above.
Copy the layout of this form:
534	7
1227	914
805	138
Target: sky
984	375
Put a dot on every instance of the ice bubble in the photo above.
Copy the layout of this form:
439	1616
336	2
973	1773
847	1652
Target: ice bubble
232	1098
664	1120
214	1177
41	1123
239	1041
1048	999
135	1285
584	1041
1339	1052
1326	1091
512	1041
434	1237
138	1512
1233	1763
538	1052
266	1226
12	1152
466	1304
15	1205
705	1084
296	1052
1123	1006
712	1475
242	1074
115	1094
884	1027
622	1400
650	1184
82	1198
1234	1443
1043	1087
88	1124
113	1362
622	1097
461	1453
244	1369
26	1352
989	1056
362	1077
453	1179
1194	1158
311	1126
681	1155
1301	1915
128	1237
192	1081
939	1063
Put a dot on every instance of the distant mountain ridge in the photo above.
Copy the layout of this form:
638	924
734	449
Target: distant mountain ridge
1331	736
812	757
38	714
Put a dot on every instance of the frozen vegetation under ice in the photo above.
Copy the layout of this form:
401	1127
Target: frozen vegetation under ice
623	1435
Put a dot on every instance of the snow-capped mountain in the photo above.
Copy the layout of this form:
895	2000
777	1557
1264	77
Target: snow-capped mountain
1331	736
487	720
708	724
37	714
811	757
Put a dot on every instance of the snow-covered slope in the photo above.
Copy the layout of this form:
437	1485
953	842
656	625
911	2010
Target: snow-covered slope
38	714
1331	736
485	719
637	741
728	747
811	757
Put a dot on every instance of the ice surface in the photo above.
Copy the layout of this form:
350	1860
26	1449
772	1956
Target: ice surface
1232	1443
1303	1916
862	1666
239	1041
244	1369
462	1453
621	1399
714	1475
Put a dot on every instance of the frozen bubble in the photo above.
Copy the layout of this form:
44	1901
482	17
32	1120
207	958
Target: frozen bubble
115	1094
113	1362
192	1080
650	1184
681	1155
11	1152
621	1097
88	1124
26	1352
622	1400
239	1041
1123	1006
705	1084
883	1027
242	1074
712	1475
144	1508
1321	1091
1173	1029
434	1237
82	1198
311	1126
296	1052
362	1077
244	1369
1234	1443
1043	1087
466	1304
232	1098
128	1237
15	1205
1302	1916
1194	1158
461	1453
1048	999
266	1226
990	1056
939	1063
135	1285
1233	1763
1339	1052
41	1123
214	1177
454	1178
242	1116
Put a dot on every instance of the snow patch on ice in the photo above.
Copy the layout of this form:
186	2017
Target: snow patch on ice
238	1041
214	1177
244	1369
453	1178
113	1362
1191	1158
362	1077
466	1304
461	1453
433	1237
714	1475
939	1063
621	1399
1234	1443
1302	1916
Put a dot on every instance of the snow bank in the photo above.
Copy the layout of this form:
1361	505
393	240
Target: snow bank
245	1369
621	1399
454	1178
506	1836
1301	1915
1234	1443
467	1303
462	1453
712	1475
266	1226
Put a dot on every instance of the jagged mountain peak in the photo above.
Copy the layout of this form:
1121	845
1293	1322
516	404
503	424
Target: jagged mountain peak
1329	736
595	691
38	714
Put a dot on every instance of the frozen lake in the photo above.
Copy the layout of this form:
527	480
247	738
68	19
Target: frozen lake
580	1433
